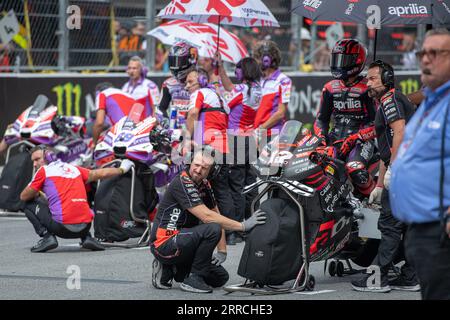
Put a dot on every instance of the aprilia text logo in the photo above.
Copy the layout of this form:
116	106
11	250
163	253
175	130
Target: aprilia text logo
411	9
347	105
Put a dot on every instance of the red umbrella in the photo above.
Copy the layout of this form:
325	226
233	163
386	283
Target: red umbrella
244	13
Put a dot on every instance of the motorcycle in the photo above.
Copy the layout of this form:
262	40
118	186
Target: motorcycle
296	169
149	144
39	124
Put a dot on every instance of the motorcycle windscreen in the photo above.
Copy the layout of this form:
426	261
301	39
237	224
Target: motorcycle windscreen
299	166
135	116
277	152
38	106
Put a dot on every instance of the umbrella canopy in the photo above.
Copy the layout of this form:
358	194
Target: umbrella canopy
202	36
244	13
392	12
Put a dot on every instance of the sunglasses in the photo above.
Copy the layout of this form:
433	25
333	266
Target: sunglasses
432	53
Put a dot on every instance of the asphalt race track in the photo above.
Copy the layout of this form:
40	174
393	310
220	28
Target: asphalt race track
124	274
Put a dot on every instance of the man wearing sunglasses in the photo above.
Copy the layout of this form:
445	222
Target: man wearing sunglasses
420	187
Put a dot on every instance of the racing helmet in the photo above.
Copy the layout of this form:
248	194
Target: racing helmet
181	57
348	58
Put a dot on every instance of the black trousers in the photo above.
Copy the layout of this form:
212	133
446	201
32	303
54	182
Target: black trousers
430	260
191	251
391	243
38	213
243	153
241	176
221	188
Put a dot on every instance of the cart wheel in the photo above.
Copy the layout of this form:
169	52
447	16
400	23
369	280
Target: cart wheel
340	269
332	268
311	283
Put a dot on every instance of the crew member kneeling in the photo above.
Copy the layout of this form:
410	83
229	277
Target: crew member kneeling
67	214
187	229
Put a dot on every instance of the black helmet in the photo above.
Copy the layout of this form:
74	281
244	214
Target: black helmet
348	58
181	57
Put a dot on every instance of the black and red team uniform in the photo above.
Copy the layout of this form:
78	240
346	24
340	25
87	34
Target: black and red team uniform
179	239
350	110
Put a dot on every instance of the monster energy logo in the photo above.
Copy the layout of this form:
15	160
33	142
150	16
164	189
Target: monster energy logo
68	99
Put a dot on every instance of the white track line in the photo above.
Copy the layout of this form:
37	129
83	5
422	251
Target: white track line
315	292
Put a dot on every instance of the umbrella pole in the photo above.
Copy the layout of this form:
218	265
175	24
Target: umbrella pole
375	45
218	39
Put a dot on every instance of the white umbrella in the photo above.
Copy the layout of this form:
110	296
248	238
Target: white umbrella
202	36
244	13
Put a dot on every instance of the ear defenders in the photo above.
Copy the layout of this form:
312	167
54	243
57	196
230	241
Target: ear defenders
386	73
215	168
266	60
239	73
144	71
202	79
49	156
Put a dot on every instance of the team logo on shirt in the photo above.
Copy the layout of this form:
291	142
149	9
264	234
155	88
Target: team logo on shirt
347	105
174	216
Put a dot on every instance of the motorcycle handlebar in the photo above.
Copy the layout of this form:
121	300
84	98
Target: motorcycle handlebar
318	158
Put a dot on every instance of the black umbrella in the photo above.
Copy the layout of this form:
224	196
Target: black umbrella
375	13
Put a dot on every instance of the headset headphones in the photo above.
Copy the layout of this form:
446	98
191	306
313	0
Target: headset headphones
238	72
386	73
49	156
202	78
144	71
266	60
208	150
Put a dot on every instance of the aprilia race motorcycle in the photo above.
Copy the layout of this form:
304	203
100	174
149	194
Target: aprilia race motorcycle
311	212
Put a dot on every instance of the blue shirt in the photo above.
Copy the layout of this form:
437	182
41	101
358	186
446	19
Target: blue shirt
414	187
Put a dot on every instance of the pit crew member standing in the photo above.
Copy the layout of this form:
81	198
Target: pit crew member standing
393	112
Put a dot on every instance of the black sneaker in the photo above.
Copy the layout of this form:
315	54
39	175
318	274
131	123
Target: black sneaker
162	275
91	244
195	283
364	284
48	242
401	283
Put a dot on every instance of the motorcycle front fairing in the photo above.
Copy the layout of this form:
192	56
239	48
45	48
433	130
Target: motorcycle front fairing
34	127
128	138
277	153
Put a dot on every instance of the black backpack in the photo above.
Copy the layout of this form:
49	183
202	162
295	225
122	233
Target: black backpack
113	220
16	174
272	252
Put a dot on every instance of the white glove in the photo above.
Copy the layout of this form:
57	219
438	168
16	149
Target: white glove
375	195
126	165
387	178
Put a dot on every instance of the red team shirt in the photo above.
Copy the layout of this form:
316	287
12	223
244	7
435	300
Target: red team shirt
243	108
212	126
276	90
64	186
